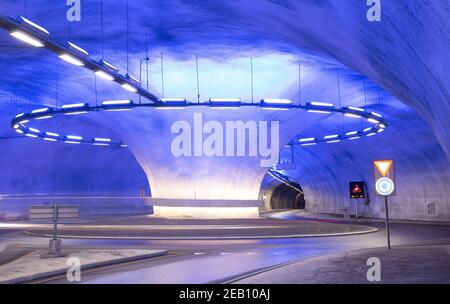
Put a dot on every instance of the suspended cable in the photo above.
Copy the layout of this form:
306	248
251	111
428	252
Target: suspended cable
162	75
25	9
198	82
101	22
251	73
299	80
146	57
128	45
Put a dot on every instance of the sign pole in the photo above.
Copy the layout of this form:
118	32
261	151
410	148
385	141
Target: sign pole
357	208
387	222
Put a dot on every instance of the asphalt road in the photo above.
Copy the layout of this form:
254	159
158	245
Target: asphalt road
217	261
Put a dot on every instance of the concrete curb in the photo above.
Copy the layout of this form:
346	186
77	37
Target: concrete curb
203	237
61	271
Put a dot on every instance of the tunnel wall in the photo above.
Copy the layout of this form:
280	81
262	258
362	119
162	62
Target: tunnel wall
422	172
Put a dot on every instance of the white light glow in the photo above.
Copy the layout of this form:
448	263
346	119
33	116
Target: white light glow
310	144
380	130
206	212
275	109
333	141
377	114
321	104
100	144
367	129
133	78
168	100
352	115
34	130
74	137
73	105
38	27
351	133
129	88
382	126
109	65
27	39
49	139
31	135
356	109
102	139
371	134
104	75
353	138
70	59
75	113
20	115
19	131
24	121
40	110
116	102
52	134
43	117
307	139
277	101
72	142
373	120
331	136
79	49
319	111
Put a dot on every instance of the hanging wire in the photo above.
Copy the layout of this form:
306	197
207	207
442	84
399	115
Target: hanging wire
147	59
339	98
198	82
128	44
101	22
95	88
25	8
162	75
299	80
251	75
365	94
56	85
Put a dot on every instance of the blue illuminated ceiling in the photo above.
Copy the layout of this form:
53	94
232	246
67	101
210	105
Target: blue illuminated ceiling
398	66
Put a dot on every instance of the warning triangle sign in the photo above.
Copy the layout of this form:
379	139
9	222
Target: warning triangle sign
383	166
356	189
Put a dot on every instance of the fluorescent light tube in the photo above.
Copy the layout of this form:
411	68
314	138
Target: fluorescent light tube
70	59
129	88
77	48
27	38
34	25
104	75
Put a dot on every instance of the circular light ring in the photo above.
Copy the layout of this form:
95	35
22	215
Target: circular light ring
20	120
384	186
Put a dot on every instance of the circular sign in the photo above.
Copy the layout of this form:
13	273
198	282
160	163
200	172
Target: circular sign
384	186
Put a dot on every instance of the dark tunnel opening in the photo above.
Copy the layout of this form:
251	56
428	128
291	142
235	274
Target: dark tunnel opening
286	197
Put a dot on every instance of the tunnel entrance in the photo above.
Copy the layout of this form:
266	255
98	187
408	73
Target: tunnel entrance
285	197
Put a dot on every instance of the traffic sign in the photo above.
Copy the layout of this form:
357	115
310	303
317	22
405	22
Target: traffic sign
384	186
357	190
384	177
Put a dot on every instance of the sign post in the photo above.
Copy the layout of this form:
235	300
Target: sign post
357	190
384	178
54	213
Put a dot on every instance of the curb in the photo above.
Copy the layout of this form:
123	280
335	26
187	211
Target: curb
251	237
43	275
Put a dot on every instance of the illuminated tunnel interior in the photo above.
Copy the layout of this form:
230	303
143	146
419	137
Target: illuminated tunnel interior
231	49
